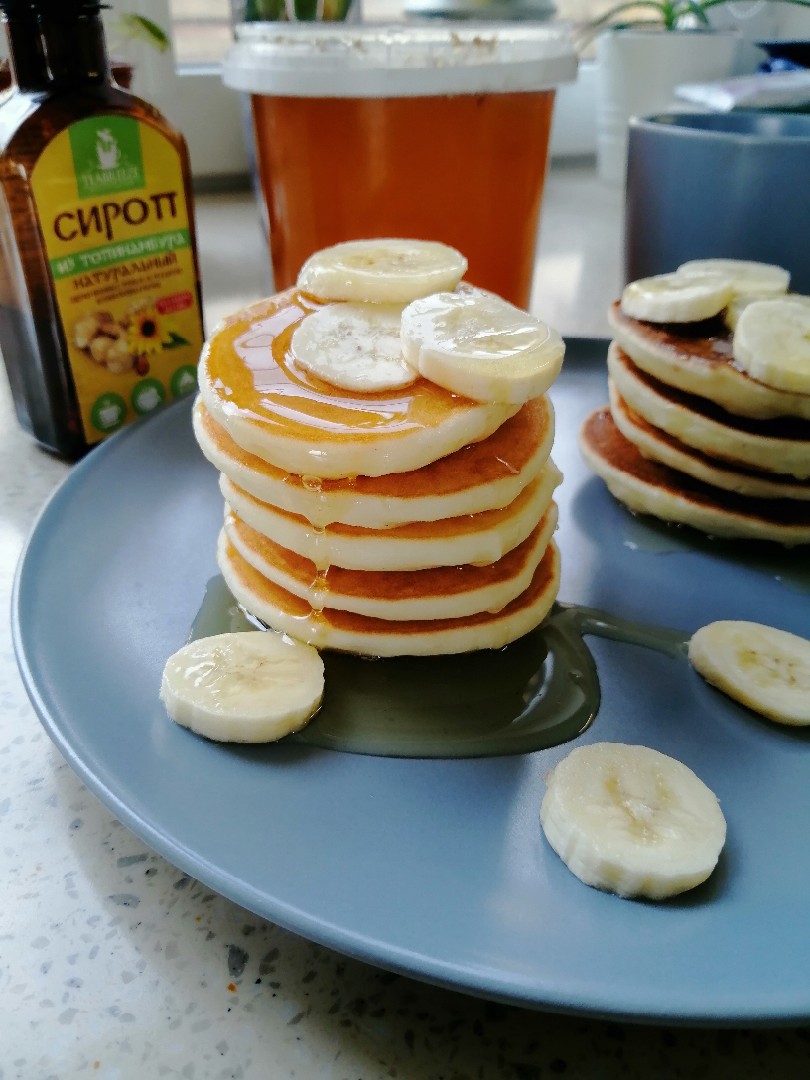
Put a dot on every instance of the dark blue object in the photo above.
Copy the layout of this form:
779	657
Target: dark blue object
718	185
789	55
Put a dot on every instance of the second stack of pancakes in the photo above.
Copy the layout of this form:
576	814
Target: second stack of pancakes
691	438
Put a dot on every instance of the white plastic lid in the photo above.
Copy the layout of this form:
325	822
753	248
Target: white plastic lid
342	60
482	9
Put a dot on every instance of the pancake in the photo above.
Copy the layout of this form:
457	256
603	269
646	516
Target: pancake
470	538
648	487
656	444
446	592
697	358
349	632
303	425
411	521
777	445
481	476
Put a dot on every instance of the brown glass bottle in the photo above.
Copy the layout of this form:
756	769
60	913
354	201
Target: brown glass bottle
62	75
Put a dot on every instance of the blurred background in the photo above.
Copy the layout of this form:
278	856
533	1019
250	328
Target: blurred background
184	83
580	251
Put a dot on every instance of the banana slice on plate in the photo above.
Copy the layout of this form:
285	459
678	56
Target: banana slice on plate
772	344
631	820
249	687
677	298
752	278
381	271
764	668
353	346
475	344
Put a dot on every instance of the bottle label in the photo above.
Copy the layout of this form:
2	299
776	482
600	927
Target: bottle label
112	209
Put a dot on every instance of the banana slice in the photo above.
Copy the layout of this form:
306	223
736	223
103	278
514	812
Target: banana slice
752	278
738	304
381	271
677	298
477	345
354	347
250	687
764	668
631	820
772	344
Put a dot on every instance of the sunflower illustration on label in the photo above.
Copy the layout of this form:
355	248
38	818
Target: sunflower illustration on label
118	237
128	342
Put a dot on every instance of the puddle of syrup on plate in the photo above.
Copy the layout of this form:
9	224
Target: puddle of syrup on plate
537	692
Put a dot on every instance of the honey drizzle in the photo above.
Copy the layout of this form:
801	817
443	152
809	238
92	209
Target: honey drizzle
537	692
321	555
250	365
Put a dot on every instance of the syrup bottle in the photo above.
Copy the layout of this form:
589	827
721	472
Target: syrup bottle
100	308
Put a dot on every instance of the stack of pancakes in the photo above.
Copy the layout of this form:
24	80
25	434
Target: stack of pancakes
407	522
691	438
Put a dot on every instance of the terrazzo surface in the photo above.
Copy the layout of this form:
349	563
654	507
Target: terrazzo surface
113	964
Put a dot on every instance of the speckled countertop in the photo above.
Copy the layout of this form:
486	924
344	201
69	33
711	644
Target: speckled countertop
113	964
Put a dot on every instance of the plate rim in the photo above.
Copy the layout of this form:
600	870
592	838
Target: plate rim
380	954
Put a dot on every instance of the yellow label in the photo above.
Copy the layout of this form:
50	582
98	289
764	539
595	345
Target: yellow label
112	210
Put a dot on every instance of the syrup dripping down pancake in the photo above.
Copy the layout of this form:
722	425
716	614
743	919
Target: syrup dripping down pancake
469	538
441	592
412	521
480	476
349	632
274	410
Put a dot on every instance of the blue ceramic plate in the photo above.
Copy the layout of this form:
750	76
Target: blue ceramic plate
437	869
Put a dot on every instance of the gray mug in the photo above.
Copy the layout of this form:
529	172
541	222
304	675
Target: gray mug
718	185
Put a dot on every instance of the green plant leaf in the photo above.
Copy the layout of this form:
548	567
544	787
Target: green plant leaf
608	17
306	10
298	10
336	10
668	14
696	8
139	28
265	10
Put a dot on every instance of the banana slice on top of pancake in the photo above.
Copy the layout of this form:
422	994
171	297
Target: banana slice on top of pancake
747	277
750	280
700	289
677	298
731	315
473	343
353	346
469	341
772	343
385	271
